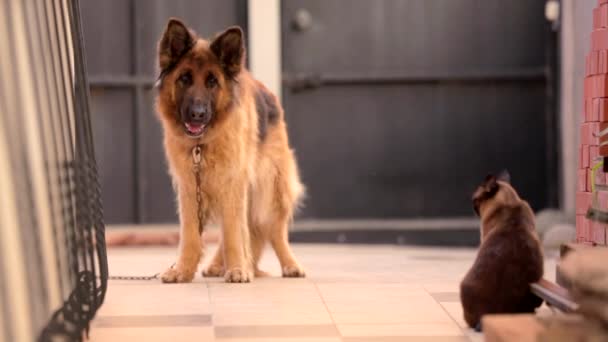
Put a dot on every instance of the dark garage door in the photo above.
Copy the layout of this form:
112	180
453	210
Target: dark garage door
397	108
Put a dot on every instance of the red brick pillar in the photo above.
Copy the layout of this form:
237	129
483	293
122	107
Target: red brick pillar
595	122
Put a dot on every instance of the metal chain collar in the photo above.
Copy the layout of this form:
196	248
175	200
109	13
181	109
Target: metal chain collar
196	169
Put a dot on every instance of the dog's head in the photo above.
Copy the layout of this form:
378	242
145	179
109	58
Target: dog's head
197	77
494	191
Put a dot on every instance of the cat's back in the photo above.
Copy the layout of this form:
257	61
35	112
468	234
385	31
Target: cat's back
512	246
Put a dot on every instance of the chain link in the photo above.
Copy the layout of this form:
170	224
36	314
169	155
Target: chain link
196	169
152	277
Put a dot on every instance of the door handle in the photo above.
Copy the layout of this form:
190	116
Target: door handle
302	20
301	82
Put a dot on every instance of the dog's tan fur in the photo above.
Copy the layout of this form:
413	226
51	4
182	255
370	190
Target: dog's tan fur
250	184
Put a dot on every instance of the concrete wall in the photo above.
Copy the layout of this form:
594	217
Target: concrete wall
576	29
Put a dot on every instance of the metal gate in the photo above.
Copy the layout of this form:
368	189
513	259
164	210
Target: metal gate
397	109
52	238
120	40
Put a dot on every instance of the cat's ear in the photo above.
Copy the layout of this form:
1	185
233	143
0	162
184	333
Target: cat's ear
490	185
504	176
484	192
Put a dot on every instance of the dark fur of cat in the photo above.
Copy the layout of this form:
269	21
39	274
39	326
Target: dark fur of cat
509	258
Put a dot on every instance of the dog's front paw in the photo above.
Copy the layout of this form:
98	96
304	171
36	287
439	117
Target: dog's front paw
237	275
293	271
214	271
177	275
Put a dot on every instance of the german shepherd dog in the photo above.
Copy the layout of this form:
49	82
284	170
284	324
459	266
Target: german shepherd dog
249	179
509	258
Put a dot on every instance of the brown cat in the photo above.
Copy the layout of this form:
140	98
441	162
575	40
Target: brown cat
509	258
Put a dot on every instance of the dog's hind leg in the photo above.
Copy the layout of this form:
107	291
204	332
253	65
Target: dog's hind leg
216	267
258	243
280	243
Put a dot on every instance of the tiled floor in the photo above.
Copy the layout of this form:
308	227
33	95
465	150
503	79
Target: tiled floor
352	294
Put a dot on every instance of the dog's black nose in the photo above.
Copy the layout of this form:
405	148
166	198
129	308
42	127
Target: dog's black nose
198	111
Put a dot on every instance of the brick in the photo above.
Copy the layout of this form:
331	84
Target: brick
600	178
599	39
602	108
596	86
582	182
590	114
603	151
600	16
584	156
593	62
582	228
594	155
598	232
583	202
603	61
588	133
602	132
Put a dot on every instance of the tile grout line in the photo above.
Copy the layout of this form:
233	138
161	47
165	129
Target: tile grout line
211	311
462	330
327	309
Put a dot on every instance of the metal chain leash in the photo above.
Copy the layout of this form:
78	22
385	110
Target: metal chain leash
196	169
152	277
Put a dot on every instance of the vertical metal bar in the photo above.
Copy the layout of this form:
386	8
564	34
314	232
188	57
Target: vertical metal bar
93	188
56	148
551	119
139	211
242	19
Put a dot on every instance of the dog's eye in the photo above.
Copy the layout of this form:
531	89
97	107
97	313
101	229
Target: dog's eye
186	79
211	81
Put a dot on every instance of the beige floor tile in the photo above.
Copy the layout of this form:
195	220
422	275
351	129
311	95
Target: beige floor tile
153	298
282	339
150	334
407	339
381	304
454	309
152	321
268	302
277	331
428	329
442	287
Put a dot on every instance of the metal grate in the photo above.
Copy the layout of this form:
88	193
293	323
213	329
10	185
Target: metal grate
52	245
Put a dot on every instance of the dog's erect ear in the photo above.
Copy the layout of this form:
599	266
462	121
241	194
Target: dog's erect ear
175	42
229	47
504	176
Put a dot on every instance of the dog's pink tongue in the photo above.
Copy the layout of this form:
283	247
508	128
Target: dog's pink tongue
194	128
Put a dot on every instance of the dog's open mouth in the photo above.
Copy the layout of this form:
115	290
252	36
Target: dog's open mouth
193	129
